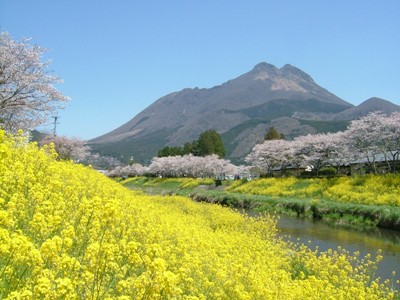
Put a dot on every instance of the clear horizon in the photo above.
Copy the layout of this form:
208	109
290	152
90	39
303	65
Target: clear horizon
118	58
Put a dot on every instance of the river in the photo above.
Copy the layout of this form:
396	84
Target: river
326	236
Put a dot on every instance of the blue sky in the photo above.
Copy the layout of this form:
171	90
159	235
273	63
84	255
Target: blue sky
118	57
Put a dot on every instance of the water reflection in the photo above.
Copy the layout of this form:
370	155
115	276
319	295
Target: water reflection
326	236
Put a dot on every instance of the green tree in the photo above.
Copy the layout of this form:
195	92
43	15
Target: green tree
210	142
273	134
190	148
170	151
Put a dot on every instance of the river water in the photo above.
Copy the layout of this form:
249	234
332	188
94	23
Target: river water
326	236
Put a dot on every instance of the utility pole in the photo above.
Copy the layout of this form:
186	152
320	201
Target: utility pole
55	125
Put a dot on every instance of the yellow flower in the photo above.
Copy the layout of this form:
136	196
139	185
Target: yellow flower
66	231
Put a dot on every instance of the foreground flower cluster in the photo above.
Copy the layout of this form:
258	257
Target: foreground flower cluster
368	189
68	232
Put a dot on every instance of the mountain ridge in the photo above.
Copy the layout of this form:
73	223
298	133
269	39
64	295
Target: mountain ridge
246	106
369	105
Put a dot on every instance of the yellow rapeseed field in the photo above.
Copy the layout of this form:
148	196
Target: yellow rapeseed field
367	189
68	232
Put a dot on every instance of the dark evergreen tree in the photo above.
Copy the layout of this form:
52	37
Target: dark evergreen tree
273	134
170	151
210	142
190	148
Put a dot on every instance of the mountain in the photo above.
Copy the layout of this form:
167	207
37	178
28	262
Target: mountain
241	110
372	104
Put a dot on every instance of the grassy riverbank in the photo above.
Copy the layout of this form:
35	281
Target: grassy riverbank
366	201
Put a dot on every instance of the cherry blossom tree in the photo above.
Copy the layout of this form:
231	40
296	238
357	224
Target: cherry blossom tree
318	151
190	166
390	136
102	162
68	148
366	137
244	171
321	150
337	144
127	171
218	167
27	93
271	154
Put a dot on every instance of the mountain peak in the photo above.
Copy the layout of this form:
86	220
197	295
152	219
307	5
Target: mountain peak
263	66
263	71
379	104
369	105
374	100
290	71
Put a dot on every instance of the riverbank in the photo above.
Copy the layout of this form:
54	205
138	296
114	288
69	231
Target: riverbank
305	198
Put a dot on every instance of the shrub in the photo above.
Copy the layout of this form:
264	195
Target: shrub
327	171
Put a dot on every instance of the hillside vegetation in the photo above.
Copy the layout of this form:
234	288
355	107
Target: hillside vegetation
68	232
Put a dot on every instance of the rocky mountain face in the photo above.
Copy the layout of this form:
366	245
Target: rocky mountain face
241	110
